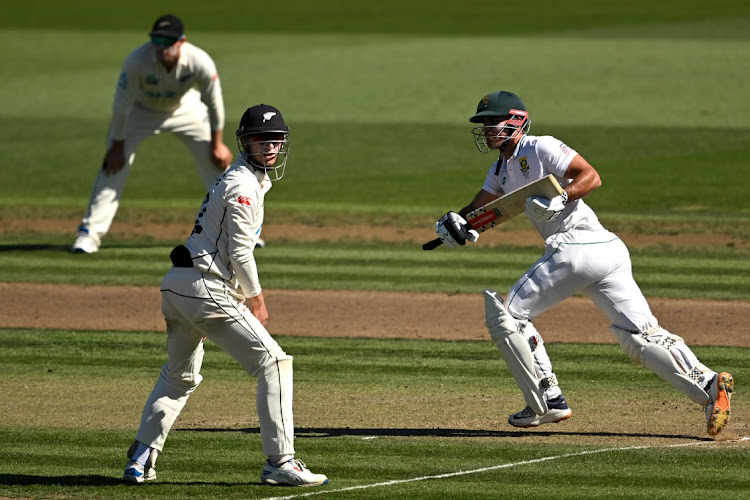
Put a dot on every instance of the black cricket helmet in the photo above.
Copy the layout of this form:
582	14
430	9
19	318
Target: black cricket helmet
264	124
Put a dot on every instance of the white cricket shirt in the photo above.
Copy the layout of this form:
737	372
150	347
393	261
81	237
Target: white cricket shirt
228	226
145	81
536	157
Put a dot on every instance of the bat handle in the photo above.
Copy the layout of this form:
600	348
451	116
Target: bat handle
430	245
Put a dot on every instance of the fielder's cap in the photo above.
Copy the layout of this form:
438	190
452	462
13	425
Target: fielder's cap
498	103
169	26
261	118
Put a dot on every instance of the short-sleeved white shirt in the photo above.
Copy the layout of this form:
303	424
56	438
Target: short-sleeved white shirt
536	157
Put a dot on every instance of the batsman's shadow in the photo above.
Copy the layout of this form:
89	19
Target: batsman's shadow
327	432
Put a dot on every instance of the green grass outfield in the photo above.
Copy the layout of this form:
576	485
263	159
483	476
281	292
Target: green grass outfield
694	272
378	95
382	418
654	97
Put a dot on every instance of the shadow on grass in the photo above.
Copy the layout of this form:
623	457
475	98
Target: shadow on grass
26	480
20	247
325	432
44	247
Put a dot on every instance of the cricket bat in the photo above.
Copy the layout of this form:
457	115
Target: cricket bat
506	207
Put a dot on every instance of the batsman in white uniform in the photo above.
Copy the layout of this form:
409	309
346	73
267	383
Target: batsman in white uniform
166	85
205	295
580	256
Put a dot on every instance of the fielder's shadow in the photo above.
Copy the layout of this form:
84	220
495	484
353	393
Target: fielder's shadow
41	247
27	480
5	247
326	432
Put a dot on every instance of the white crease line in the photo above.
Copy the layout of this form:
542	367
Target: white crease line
494	467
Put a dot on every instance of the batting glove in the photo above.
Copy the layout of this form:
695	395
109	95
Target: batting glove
543	210
453	230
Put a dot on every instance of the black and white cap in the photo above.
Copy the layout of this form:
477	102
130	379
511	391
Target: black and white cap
261	118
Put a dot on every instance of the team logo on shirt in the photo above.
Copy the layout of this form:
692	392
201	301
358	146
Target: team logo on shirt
244	200
524	166
565	148
152	80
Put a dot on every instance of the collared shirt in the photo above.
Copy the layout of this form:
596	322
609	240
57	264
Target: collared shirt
146	82
536	157
228	226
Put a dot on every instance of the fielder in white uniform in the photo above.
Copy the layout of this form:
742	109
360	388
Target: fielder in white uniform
204	295
166	85
580	256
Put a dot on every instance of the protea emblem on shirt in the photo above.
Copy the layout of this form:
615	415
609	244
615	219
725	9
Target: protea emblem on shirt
524	166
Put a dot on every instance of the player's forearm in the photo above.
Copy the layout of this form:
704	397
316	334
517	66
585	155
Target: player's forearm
247	276
117	129
217	137
585	178
481	199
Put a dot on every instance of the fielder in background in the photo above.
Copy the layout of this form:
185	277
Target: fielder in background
204	295
580	256
166	85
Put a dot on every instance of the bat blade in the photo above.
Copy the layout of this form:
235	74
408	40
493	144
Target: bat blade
506	207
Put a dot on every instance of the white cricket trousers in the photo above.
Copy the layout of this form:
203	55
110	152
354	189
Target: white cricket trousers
597	264
197	305
189	123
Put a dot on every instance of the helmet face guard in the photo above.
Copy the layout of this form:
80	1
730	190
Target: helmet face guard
255	146
518	120
263	140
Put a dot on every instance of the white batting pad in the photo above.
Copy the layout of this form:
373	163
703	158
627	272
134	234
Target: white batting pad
667	356
515	350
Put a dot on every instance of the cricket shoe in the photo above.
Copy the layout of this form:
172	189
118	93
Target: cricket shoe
557	411
291	473
85	242
718	409
137	473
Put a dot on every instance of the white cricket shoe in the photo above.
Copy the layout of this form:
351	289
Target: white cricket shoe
86	242
718	409
291	473
136	473
557	411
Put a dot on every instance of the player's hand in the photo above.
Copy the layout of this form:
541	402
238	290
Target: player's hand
221	157
258	308
453	230
114	159
542	210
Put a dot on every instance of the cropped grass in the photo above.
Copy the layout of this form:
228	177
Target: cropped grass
367	411
715	273
378	96
378	108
